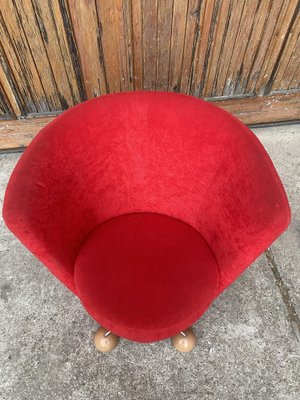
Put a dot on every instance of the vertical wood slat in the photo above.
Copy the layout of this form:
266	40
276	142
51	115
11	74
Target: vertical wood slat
204	21
191	37
89	45
115	43
164	33
51	25
213	65
60	15
241	39
295	82
123	41
19	57
35	45
273	51
108	39
177	44
150	43
273	13
127	45
8	89
291	71
5	110
137	43
289	58
252	49
37	50
228	47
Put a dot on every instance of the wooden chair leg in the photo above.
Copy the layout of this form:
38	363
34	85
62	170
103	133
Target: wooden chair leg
105	340
184	341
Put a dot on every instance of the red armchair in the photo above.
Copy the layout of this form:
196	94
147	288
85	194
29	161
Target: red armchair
147	206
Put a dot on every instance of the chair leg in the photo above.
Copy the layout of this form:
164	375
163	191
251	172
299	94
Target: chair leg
105	340
184	341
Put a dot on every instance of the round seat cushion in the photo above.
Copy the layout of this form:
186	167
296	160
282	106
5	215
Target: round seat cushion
145	276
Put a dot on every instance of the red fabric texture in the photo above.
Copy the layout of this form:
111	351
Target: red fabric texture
145	152
145	274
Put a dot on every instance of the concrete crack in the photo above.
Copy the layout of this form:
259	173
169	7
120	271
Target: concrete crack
293	317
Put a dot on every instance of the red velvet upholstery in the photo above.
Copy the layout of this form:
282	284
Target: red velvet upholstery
121	197
158	268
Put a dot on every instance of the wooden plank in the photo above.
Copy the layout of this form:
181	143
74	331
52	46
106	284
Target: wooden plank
272	16
17	52
66	41
19	133
114	42
127	44
191	37
89	45
272	53
106	17
264	109
240	43
5	110
57	51
137	43
289	73
26	16
150	43
177	44
8	87
164	32
295	82
204	23
253	45
289	58
250	110
214	59
228	50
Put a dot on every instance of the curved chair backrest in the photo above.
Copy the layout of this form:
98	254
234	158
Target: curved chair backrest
145	151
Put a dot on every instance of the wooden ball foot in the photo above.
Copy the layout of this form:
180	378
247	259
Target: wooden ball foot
184	341
105	341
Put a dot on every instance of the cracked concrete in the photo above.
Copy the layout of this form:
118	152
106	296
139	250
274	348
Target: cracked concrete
283	145
248	341
293	317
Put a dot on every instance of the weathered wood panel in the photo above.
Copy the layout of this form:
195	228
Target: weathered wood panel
164	34
19	57
240	39
8	89
34	41
272	55
5	110
57	53
19	133
295	82
228	48
150	26
191	39
250	64
215	57
284	73
116	42
205	27
177	44
267	109
89	45
59	46
137	44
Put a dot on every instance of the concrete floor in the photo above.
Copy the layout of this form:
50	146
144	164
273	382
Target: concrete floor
248	341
